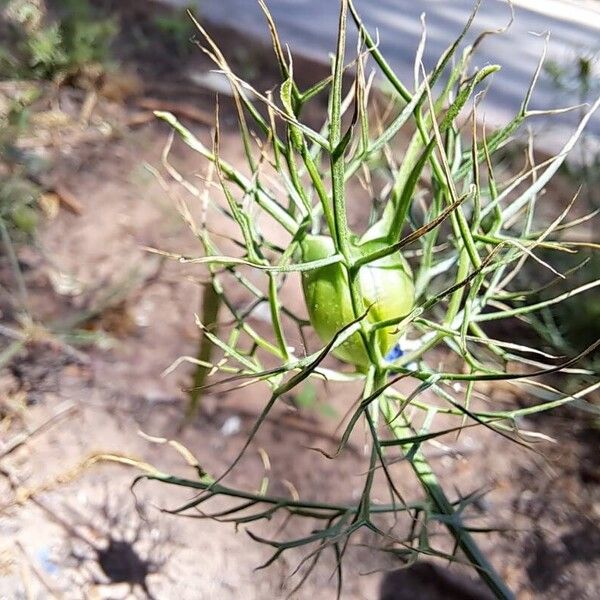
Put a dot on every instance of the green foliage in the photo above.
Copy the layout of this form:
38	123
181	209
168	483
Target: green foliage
18	200
573	325
18	193
46	52
38	47
87	42
178	27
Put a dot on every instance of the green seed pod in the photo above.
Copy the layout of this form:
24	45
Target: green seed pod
386	287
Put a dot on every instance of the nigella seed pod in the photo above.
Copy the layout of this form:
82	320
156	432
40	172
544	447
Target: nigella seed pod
386	289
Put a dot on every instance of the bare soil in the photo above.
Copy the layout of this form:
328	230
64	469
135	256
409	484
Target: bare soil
73	529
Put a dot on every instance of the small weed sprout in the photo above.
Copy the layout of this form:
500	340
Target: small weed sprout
467	233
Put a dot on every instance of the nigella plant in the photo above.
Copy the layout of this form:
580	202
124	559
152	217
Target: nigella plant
395	306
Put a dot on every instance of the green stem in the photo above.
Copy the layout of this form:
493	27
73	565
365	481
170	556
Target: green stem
211	301
443	506
463	538
275	307
335	128
342	234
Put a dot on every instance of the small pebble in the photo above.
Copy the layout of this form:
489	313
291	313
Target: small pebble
231	426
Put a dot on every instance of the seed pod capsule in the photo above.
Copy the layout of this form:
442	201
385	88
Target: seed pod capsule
385	285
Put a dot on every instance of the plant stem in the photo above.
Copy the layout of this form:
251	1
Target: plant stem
335	128
443	506
211	301
463	538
